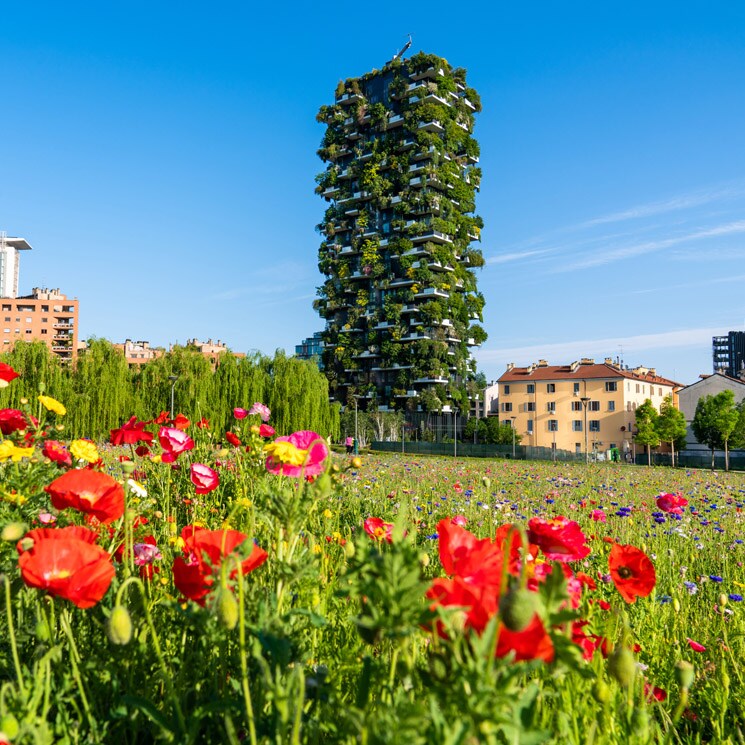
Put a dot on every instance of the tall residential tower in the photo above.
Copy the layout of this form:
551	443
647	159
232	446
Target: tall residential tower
400	298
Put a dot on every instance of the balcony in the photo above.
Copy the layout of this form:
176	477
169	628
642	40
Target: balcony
416	182
432	292
433	126
349	98
434	98
407	143
330	193
438	266
348	251
382	325
395	200
62	325
413	87
433	379
416	251
402	283
395	121
471	342
409	308
434	236
414	336
430	72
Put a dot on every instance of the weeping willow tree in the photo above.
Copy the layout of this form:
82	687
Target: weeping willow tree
40	370
102	396
101	391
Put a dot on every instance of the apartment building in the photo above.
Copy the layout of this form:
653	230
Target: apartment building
581	407
47	315
138	353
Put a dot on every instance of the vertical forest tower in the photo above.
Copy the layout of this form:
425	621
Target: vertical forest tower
400	298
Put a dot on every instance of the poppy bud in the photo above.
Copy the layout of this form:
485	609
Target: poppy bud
13	532
128	466
722	600
676	605
227	610
601	691
9	726
486	481
517	608
119	627
684	674
42	631
323	485
725	680
621	666
349	549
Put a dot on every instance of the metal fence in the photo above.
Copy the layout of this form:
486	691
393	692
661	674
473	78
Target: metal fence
696	460
470	450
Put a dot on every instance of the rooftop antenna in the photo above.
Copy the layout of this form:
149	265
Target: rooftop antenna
620	347
400	54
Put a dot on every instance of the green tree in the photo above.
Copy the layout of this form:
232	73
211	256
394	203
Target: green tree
501	433
646	428
738	433
715	421
671	424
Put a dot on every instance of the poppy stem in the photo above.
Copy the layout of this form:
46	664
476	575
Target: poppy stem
75	659
12	636
244	657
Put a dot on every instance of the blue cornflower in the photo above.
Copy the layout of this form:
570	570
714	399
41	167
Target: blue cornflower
692	587
736	597
715	578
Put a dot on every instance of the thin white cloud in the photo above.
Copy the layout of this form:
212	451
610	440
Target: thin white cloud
561	353
518	255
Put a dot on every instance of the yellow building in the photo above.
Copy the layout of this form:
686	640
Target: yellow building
582	407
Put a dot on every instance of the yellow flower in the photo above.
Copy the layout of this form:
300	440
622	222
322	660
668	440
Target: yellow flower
243	502
84	450
285	452
328	513
156	458
317	549
9	450
52	404
14	498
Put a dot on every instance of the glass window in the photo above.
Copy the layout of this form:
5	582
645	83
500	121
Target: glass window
551	406
531	387
576	405
594	406
577	447
530	406
611	405
576	387
506	390
594	425
507	406
530	426
553	425
611	386
550	387
577	425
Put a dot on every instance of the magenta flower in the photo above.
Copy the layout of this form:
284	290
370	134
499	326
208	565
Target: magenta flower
174	442
266	430
460	521
204	478
262	410
305	454
672	503
599	516
376	528
146	553
239	413
695	646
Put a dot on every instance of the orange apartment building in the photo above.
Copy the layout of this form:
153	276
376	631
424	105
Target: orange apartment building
582	407
138	353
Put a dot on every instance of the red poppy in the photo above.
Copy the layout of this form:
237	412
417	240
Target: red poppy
66	563
57	452
632	572
588	643
7	373
695	646
12	420
672	503
477	606
174	442
92	492
142	450
532	643
233	439
654	692
162	418
203	423
266	430
130	433
478	561
379	530
204	478
560	539
181	422
205	550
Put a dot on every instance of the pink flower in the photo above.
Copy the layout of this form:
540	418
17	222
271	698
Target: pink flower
266	431
695	646
204	478
174	442
379	530
239	413
146	553
672	503
262	410
309	447
460	521
599	516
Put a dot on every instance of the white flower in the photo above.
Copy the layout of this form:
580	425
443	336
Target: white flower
136	488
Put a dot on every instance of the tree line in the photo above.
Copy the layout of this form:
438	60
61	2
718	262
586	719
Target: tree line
101	391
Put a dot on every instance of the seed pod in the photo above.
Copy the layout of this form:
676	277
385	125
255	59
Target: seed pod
640	722
601	691
676	605
119	627
723	600
517	608
349	549
9	726
621	666
13	531
684	674
227	610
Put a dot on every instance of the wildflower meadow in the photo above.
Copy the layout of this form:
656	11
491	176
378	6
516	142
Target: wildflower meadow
186	584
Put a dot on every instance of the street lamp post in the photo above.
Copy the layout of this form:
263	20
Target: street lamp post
586	400
513	436
455	432
173	379
356	446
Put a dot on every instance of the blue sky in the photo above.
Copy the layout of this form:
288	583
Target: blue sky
160	158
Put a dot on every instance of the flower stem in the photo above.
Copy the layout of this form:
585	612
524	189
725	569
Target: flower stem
12	637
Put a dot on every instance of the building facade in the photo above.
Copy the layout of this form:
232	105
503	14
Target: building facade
310	348
400	299
46	315
10	264
728	354
582	407
138	353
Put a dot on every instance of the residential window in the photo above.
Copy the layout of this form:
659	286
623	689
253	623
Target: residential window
43	331
594	406
29	320
530	426
577	447
550	387
576	387
612	445
506	390
659	391
28	331
594	425
507	406
6	307
7	331
531	387
611	386
611	405
637	387
7	319
628	406
45	309
530	406
576	405
551	407
576	425
553	425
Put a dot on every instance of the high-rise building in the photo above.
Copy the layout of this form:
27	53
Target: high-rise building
9	264
729	353
310	348
400	299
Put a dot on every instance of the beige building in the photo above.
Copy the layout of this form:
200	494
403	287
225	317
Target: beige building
582	407
138	353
